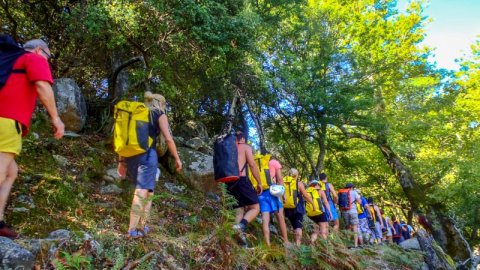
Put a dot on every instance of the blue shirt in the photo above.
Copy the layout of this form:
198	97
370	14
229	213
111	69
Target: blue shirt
364	202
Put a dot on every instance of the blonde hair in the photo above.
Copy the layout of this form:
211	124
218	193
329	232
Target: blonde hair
155	101
293	172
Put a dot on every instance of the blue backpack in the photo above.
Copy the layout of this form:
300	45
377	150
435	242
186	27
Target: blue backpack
9	53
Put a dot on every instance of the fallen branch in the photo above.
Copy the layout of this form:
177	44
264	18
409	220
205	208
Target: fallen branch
134	264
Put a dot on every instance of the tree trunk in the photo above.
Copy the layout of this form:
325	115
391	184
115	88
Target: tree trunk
322	137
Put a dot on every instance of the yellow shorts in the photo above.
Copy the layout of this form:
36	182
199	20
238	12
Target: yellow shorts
10	136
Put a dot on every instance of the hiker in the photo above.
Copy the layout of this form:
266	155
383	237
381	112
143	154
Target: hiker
347	199
268	203
17	102
332	198
247	207
378	221
398	230
387	230
407	230
142	168
294	204
364	232
315	210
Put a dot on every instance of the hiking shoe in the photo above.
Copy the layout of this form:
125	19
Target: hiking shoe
146	230
242	240
239	227
135	234
8	232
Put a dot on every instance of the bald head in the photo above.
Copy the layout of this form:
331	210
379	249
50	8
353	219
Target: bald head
35	43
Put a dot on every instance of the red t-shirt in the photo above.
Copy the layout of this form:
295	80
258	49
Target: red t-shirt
18	96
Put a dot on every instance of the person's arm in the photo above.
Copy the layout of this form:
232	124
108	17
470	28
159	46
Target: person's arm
377	210
302	189
172	148
334	193
47	98
278	176
325	201
254	168
121	168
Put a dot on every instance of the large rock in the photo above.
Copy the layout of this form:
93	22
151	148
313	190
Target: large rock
13	256
191	129
197	169
411	243
70	103
161	145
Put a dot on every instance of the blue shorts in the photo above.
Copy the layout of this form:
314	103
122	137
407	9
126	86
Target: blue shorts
142	169
269	203
333	209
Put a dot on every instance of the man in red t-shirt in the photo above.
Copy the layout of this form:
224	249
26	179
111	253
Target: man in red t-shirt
17	103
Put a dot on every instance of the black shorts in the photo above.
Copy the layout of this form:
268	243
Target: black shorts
243	191
295	218
319	218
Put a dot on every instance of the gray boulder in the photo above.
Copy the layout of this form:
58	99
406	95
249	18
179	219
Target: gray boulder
111	189
197	169
61	160
411	243
191	129
13	256
195	143
70	103
59	234
112	174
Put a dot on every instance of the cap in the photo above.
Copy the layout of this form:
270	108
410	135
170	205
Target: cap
349	185
322	176
313	182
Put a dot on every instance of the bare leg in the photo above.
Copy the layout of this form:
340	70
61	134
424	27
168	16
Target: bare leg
336	225
355	234
281	222
252	212
146	211
324	229
138	206
8	174
265	227
315	233
298	236
239	213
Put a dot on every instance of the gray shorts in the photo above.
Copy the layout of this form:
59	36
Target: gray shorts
377	232
351	218
363	227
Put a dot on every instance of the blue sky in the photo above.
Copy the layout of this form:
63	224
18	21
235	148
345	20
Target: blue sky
454	27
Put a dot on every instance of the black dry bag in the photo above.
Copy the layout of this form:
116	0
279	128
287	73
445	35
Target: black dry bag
225	158
9	53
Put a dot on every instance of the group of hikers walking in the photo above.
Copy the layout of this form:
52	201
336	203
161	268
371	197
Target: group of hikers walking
256	182
261	188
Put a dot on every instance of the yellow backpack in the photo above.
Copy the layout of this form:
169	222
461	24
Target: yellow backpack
131	130
359	208
291	192
316	208
262	164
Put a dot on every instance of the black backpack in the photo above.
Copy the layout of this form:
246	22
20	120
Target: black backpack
9	53
225	158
